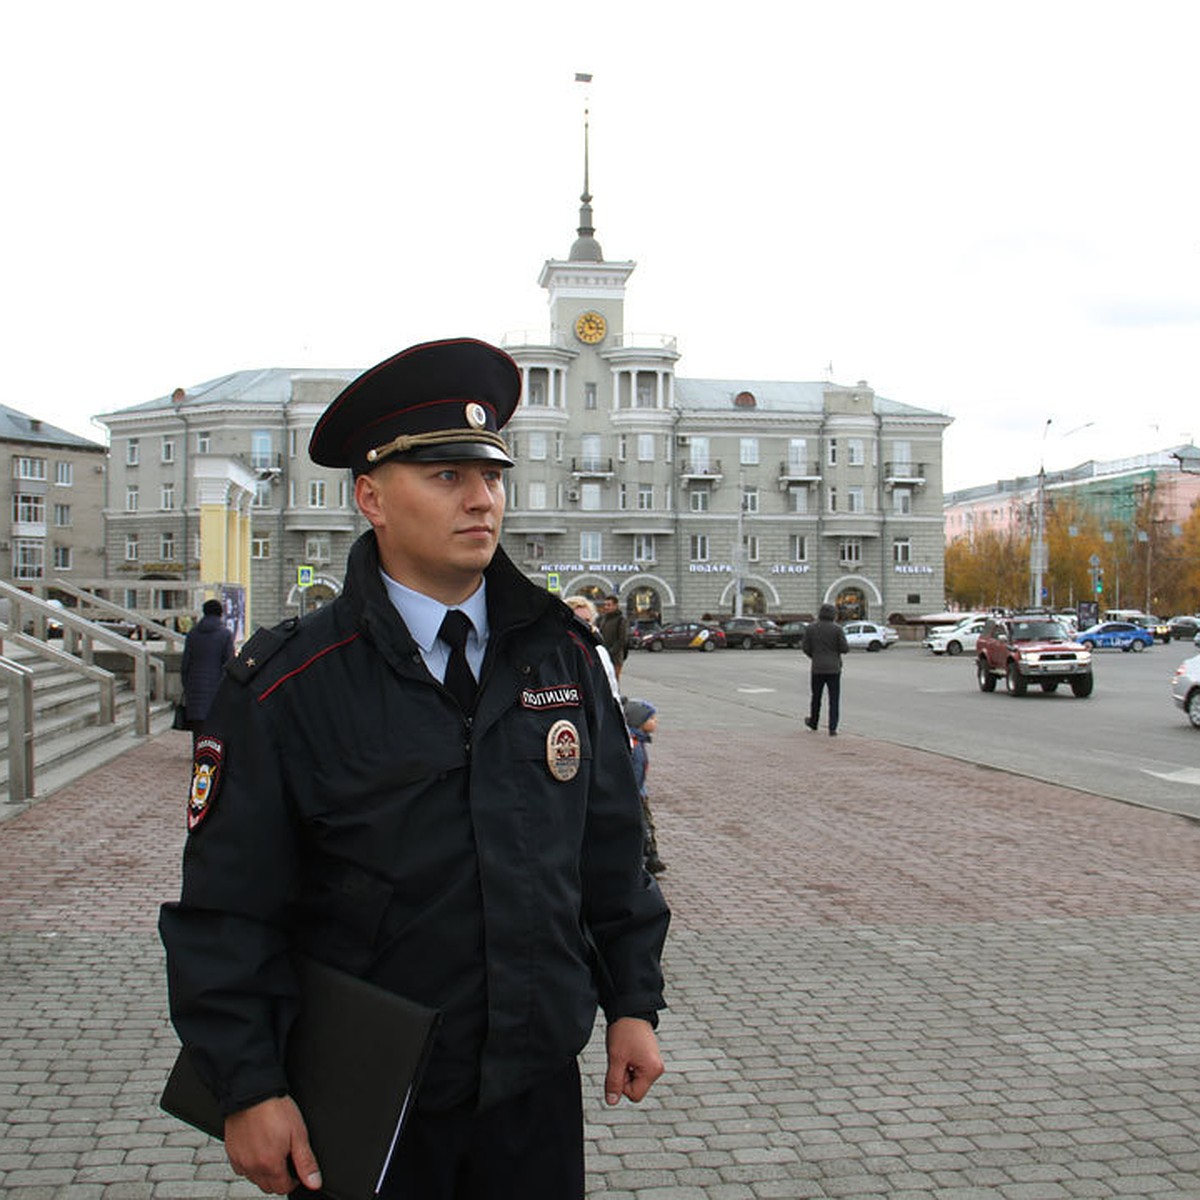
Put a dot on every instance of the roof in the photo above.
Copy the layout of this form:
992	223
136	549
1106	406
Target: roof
706	395
19	427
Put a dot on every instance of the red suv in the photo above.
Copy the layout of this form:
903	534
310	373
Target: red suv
1030	648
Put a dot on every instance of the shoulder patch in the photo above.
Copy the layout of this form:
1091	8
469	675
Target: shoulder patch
207	760
261	647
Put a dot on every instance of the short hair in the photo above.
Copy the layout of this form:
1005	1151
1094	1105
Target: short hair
212	608
581	602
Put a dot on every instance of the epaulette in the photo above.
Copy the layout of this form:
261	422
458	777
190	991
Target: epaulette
263	645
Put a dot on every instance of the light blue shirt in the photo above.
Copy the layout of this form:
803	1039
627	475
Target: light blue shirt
423	615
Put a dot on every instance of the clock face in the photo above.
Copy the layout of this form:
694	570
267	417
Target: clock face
590	327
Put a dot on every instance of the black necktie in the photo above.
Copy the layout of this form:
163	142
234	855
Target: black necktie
459	681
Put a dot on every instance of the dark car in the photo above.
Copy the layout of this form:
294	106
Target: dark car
638	628
748	632
793	633
684	635
1184	628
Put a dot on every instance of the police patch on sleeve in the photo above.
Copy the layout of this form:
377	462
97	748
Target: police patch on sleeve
563	751
206	777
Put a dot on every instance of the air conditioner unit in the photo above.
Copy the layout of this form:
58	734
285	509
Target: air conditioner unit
572	495
682	439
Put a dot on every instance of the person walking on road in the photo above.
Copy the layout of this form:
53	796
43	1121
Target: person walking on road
207	647
614	631
425	783
825	643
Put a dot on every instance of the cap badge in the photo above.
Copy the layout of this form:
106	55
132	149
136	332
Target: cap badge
562	751
476	417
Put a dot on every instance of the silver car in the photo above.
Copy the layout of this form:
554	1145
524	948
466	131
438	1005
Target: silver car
866	635
1185	688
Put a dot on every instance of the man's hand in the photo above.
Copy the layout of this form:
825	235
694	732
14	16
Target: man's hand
260	1140
634	1062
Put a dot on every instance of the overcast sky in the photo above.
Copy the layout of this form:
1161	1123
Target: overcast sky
990	210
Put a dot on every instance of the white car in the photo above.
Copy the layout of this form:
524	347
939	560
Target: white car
1185	688
866	635
954	639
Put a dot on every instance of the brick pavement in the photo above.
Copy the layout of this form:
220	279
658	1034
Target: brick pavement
891	975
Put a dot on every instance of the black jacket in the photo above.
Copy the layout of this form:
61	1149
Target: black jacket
206	649
357	815
825	643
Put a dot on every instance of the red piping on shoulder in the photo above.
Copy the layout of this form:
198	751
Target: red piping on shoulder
308	662
587	650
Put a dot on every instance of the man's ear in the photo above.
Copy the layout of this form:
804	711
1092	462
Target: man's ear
366	496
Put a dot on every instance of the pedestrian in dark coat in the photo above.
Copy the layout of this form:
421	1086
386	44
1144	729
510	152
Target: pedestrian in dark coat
206	649
425	783
825	643
614	631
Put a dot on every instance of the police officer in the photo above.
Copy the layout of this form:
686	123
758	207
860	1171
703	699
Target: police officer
425	783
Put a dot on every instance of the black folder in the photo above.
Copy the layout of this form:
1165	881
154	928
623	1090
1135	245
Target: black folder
354	1060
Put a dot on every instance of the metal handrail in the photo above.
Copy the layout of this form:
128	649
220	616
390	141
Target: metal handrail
173	638
106	679
19	681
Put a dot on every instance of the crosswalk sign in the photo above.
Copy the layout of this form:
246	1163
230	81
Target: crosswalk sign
552	582
304	576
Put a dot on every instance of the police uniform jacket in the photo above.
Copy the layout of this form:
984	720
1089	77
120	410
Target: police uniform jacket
488	866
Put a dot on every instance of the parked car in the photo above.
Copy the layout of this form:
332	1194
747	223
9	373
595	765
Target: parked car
1156	626
638	628
1116	635
1030	648
748	632
866	635
1184	627
1185	688
954	639
685	635
793	633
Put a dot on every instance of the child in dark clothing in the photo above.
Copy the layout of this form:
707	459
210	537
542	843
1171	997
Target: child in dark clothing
641	717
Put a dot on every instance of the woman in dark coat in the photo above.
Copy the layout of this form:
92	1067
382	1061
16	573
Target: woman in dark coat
206	650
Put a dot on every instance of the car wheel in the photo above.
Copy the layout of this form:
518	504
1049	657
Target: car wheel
1193	708
1014	681
747	643
953	648
655	645
1049	685
1081	685
987	681
873	646
708	646
1137	647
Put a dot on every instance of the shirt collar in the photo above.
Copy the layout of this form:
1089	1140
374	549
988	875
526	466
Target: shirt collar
423	614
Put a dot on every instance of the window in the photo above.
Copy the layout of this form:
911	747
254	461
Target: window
699	547
799	497
700	454
854	452
131	498
558	447
645	394
343	493
589	497
262	493
645	447
797	456
901	550
62	515
622	496
537	393
29	510
260	546
748	452
799	547
203	441
833	452
750	500
131	547
750	546
622	447
166	547
31	468
643	547
536	450
699	499
260	450
62	558
589	546
535	549
645	496
537	494
64	474
589	395
316	493
851	552
854	500
511	494
133	452
28	558
589	447
168	496
168	449
902	453
832	494
316	548
902	501
293	442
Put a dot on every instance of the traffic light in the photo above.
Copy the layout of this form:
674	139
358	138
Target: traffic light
1099	581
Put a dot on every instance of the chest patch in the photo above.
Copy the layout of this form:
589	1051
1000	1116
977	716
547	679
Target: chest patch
206	778
563	751
562	695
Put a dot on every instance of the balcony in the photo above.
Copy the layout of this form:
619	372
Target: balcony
904	473
701	470
592	468
799	472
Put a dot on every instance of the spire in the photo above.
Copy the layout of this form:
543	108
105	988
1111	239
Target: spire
586	248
